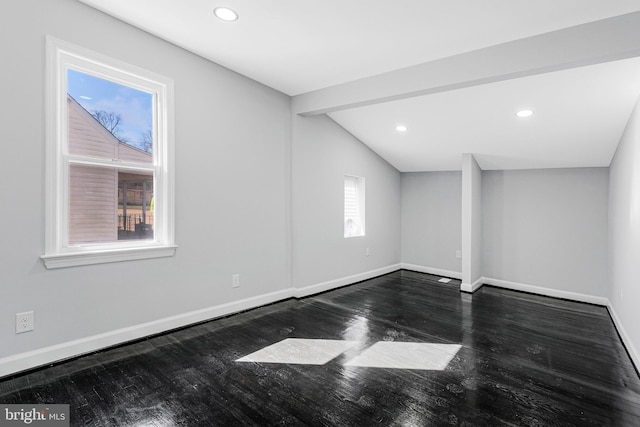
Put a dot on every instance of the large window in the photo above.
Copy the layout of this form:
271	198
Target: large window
109	160
353	206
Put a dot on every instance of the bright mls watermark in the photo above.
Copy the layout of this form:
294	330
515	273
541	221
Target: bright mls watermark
34	415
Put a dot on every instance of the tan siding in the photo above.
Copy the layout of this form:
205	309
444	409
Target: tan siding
93	209
87	136
131	154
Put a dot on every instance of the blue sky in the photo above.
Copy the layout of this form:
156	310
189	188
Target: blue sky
134	106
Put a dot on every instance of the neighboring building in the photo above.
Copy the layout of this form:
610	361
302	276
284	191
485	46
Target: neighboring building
105	205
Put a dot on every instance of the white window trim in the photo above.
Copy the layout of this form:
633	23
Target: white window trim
360	186
61	55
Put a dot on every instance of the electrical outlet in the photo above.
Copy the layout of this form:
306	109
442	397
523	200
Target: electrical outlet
24	322
458	254
367	252
235	281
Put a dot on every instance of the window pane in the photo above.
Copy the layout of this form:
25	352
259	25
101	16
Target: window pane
135	206
107	205
108	120
350	199
353	206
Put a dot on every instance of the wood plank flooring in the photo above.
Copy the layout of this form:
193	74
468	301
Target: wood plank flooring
525	360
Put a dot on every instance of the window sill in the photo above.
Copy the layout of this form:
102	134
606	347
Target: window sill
106	256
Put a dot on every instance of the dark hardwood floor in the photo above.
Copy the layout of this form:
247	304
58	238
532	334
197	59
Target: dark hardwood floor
525	360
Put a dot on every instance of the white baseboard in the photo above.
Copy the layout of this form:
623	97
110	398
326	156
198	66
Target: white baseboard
633	352
431	270
574	296
44	356
337	283
472	287
56	353
556	293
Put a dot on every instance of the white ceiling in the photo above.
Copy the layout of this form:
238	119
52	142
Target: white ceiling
299	46
579	117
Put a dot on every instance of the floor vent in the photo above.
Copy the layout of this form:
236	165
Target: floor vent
444	280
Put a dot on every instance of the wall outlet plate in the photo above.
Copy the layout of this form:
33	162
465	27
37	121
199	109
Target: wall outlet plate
235	281
24	322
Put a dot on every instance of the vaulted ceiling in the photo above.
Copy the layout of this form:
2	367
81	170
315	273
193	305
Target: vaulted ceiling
454	73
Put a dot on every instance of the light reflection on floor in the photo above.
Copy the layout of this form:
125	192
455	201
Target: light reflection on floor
300	351
406	355
383	354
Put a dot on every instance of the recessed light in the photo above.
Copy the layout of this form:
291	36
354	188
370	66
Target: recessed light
401	128
225	14
524	113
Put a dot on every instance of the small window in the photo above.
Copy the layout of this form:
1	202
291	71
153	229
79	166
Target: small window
109	160
354	206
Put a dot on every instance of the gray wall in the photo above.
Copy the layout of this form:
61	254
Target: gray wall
273	209
624	229
431	217
323	152
547	228
232	136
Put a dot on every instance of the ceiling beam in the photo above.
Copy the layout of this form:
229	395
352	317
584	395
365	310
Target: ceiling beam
587	44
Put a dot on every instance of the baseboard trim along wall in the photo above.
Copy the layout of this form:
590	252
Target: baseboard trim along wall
59	352
472	287
556	293
301	292
431	270
633	352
